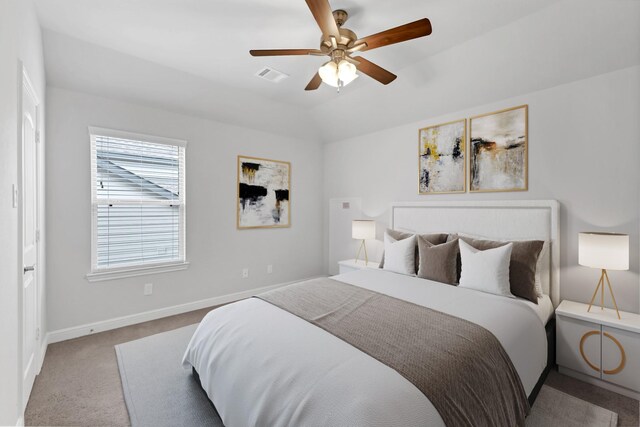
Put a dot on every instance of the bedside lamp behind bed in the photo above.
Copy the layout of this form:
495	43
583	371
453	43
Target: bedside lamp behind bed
363	229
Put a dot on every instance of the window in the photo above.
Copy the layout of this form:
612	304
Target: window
138	203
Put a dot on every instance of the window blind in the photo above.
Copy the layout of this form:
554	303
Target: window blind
138	200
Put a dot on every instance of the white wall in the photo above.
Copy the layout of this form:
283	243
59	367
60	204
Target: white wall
583	151
216	250
20	40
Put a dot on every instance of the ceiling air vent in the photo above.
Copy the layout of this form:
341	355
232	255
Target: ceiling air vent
271	75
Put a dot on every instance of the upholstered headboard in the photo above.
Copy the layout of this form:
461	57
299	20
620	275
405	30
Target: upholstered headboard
513	219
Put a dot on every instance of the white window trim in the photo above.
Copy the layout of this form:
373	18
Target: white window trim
122	273
113	133
102	274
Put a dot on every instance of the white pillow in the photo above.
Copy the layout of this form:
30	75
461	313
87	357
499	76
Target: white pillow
542	265
400	255
486	271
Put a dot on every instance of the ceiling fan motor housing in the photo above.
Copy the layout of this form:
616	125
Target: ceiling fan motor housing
347	39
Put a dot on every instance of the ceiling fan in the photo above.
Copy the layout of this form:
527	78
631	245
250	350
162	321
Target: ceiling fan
339	43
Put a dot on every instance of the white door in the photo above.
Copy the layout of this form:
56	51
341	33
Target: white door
30	306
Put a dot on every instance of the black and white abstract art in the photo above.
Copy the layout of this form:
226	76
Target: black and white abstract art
499	150
442	161
263	193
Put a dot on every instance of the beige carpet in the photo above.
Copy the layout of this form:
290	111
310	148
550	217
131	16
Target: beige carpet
80	384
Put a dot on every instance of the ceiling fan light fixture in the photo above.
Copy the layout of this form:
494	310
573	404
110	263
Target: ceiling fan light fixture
338	75
329	73
346	72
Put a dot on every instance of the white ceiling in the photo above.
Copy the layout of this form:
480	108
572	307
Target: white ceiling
211	39
191	56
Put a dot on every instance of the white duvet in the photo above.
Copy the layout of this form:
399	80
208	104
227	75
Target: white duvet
262	366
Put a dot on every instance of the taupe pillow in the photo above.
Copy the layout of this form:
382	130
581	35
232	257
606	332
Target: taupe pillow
438	262
436	239
522	268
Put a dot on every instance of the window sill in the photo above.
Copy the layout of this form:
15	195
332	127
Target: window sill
100	276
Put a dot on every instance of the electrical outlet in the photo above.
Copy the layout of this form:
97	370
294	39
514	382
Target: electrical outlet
148	288
245	273
269	269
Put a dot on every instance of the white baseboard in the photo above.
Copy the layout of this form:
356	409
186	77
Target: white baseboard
43	351
119	322
20	422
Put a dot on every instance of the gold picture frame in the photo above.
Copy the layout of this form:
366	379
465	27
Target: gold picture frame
505	145
430	162
263	199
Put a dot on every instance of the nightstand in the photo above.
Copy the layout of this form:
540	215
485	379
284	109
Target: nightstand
599	348
351	265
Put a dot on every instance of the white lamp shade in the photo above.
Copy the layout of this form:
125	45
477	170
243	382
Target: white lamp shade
346	72
329	73
604	250
363	229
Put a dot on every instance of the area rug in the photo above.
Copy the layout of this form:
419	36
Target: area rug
159	392
555	408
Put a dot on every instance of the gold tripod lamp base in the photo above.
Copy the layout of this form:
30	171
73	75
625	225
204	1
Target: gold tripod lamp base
362	229
600	286
366	258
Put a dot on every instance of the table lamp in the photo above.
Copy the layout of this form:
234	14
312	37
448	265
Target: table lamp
606	251
363	229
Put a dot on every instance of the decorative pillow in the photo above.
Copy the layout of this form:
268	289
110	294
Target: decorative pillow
542	269
486	270
436	239
542	266
522	270
438	262
400	255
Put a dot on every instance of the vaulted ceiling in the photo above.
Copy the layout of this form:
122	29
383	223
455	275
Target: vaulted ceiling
192	55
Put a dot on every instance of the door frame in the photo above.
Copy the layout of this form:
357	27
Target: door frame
26	83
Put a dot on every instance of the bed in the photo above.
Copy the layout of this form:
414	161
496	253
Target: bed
262	365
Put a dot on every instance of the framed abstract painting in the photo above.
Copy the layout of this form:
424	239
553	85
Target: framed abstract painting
498	150
264	187
442	163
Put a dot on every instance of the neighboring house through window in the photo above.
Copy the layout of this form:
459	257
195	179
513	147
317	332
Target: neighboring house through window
138	203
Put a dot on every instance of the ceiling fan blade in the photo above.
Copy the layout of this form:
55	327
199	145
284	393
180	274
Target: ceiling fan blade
419	28
321	11
282	52
375	71
314	83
